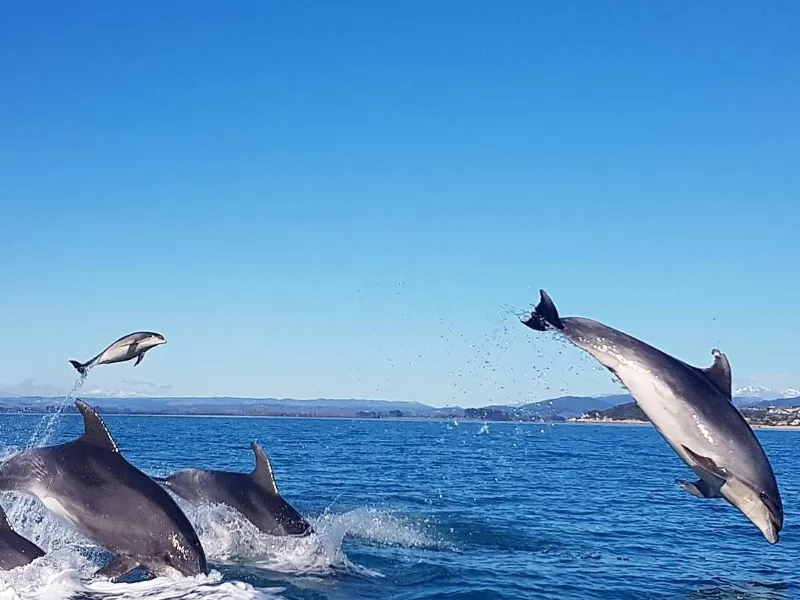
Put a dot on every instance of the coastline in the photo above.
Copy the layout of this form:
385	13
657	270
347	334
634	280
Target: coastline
781	427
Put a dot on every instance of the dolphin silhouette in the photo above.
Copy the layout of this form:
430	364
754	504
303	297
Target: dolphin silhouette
691	408
128	347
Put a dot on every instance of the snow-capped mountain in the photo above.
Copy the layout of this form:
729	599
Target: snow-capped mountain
753	391
99	393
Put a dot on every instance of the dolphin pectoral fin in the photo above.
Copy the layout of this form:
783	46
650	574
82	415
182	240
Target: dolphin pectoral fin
139	359
706	464
699	488
119	566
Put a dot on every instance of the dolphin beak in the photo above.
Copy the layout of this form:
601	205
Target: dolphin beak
774	519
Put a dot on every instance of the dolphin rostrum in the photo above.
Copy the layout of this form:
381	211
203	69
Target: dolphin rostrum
90	485
15	550
131	346
255	495
691	408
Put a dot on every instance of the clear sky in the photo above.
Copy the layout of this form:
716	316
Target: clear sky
356	199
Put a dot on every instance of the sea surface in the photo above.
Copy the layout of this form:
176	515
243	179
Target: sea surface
432	509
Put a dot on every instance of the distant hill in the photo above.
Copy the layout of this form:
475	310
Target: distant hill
629	411
573	406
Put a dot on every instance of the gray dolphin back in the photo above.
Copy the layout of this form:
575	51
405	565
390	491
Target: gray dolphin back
254	495
15	550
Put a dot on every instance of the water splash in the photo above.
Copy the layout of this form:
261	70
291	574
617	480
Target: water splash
229	538
46	426
42	581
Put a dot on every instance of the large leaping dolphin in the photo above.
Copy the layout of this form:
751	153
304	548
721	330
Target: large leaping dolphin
691	408
15	550
131	346
255	495
90	485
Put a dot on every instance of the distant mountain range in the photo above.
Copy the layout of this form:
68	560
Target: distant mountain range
764	393
555	409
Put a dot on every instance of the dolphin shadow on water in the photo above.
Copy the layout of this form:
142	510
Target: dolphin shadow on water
254	495
89	485
128	347
691	408
15	550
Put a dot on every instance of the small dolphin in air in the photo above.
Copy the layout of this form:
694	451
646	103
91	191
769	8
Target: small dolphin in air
15	550
255	495
133	345
691	408
89	484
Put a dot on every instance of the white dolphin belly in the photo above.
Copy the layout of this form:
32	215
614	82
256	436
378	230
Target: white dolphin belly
54	506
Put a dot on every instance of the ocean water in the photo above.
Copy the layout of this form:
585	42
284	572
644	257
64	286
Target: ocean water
414	510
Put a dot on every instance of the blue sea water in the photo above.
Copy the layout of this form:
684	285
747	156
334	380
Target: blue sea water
436	509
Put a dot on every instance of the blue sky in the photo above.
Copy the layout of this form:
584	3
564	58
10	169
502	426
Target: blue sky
357	199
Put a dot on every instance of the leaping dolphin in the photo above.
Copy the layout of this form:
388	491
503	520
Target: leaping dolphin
131	346
90	485
15	550
691	408
255	495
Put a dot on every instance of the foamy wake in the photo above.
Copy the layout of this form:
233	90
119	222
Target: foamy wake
228	539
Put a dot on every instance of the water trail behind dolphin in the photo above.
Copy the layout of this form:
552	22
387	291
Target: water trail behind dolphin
45	427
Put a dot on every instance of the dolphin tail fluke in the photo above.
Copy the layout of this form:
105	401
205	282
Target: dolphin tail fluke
119	566
545	315
79	366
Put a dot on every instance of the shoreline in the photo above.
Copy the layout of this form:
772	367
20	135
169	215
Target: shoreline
781	427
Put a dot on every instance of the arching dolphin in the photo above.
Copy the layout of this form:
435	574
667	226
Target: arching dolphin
15	550
255	495
131	346
691	408
89	484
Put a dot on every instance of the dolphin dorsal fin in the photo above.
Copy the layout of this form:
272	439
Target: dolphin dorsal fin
5	525
720	374
95	431
262	474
